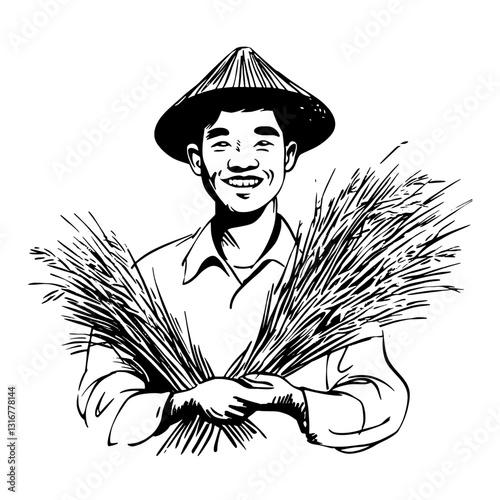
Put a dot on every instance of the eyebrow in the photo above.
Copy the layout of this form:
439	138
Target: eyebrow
216	132
266	131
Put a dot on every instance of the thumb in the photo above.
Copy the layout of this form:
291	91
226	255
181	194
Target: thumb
257	382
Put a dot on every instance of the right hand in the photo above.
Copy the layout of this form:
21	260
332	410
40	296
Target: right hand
218	399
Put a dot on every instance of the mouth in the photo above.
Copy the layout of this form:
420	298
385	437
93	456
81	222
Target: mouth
240	181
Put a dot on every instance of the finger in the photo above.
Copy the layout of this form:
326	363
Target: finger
215	414
235	412
253	399
252	385
243	401
246	383
261	377
255	382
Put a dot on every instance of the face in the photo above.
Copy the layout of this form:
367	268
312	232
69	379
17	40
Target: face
243	159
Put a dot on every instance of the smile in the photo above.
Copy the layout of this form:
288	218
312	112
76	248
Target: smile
240	181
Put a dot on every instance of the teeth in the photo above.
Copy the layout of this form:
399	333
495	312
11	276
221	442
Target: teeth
243	182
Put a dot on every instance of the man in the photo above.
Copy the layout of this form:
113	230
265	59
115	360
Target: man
241	130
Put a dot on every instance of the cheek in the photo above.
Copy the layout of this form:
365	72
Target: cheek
214	162
273	165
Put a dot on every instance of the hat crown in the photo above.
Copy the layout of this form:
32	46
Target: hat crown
244	68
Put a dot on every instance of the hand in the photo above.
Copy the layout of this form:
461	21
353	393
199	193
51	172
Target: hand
218	399
271	392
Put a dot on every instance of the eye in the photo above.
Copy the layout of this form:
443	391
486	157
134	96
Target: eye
221	144
263	144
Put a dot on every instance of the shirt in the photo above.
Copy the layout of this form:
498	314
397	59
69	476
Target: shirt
221	314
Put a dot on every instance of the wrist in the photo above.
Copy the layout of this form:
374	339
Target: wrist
166	414
179	401
298	407
173	409
290	400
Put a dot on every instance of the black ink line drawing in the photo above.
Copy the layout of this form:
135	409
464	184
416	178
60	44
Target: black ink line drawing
371	256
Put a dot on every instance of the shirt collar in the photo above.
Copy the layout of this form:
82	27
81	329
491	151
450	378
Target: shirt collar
203	252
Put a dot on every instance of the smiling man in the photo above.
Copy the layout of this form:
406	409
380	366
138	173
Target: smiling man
241	130
242	160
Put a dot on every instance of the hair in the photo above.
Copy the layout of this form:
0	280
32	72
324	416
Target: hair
211	111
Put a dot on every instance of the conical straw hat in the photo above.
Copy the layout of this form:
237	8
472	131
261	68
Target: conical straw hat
244	81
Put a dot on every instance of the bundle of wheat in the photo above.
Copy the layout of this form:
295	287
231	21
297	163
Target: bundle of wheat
101	288
373	253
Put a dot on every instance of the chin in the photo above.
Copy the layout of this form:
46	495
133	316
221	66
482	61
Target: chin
245	205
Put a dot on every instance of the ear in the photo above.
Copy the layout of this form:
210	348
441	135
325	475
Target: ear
194	157
290	156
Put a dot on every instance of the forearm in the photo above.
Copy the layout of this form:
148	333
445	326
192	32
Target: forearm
112	400
143	415
140	417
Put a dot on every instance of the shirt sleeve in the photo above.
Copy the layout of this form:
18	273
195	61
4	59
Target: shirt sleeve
112	400
106	384
359	408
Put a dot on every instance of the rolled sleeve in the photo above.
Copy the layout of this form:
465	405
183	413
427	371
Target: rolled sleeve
330	415
356	409
106	384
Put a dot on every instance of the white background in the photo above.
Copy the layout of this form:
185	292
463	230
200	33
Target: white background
401	85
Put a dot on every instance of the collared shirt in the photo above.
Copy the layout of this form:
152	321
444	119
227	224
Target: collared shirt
220	311
221	314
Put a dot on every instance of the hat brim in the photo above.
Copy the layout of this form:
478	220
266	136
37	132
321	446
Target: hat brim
304	118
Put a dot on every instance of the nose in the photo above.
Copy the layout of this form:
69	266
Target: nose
242	162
